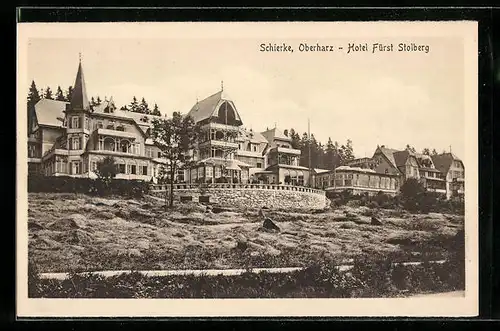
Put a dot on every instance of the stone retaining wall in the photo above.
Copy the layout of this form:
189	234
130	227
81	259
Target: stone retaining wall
273	197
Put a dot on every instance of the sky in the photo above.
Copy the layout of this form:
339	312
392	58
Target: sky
391	99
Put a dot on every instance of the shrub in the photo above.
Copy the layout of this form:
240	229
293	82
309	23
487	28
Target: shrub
66	184
368	278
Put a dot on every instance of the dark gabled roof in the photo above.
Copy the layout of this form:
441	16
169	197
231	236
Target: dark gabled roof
443	162
388	153
207	107
49	112
79	98
273	134
400	157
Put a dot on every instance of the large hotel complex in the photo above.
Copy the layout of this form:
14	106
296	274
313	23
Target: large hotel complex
69	138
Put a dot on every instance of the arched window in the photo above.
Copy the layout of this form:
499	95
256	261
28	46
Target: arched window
109	144
219	135
125	146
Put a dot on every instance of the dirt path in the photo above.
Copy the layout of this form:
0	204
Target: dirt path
207	272
160	273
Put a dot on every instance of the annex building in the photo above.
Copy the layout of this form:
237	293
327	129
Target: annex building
389	168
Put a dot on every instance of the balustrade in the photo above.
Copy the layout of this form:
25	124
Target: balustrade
161	187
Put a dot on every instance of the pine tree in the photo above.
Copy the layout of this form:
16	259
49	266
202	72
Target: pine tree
156	111
134	105
295	139
349	151
92	102
98	100
69	93
434	152
426	151
42	93
304	148
144	107
33	98
330	155
59	94
48	93
410	148
124	108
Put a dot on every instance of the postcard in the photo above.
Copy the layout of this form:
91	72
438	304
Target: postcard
247	169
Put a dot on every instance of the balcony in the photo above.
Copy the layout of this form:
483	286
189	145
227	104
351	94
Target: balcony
116	133
286	150
219	126
248	153
219	143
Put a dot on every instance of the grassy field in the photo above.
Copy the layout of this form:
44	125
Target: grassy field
69	232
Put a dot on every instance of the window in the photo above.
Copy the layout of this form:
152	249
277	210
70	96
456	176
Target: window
94	165
145	170
87	123
75	122
99	125
348	182
133	169
254	148
31	151
75	143
149	152
259	165
217	172
121	168
209	172
180	175
239	146
75	168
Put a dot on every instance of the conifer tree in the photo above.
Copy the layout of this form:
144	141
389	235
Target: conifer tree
92	101
156	111
134	105
48	93
69	93
33	98
59	94
144	107
98	100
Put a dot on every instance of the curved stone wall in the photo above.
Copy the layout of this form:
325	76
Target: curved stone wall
250	196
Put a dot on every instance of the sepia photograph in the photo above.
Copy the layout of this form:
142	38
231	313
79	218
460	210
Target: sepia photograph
236	161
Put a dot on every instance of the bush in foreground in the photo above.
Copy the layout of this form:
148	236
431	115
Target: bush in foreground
366	279
66	184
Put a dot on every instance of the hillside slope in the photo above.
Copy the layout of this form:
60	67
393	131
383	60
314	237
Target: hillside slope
70	232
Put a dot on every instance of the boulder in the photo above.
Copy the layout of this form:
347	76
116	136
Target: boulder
269	225
74	221
33	226
376	221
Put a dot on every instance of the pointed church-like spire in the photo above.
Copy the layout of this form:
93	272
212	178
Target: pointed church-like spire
79	98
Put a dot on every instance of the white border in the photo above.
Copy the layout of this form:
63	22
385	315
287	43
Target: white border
412	307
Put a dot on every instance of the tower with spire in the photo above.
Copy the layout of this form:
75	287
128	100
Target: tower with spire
77	113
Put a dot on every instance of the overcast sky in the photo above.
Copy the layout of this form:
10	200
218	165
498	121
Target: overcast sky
393	99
